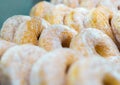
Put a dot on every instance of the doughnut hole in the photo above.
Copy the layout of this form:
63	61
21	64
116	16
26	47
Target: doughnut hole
102	49
118	7
66	40
110	80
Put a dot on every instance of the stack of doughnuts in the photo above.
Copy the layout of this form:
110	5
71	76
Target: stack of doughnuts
62	42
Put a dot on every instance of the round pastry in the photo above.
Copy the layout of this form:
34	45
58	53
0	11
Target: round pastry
11	25
29	32
18	62
57	14
99	18
4	46
52	68
41	9
57	36
75	18
116	27
94	42
92	71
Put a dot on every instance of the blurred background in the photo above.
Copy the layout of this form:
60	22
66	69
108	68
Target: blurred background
9	8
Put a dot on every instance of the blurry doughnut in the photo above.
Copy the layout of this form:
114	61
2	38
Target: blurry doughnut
89	4
29	32
57	1
5	45
57	14
52	68
75	19
99	18
92	71
116	27
18	61
70	3
11	25
94	42
57	36
41	9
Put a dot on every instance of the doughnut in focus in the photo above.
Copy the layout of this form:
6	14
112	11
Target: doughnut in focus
94	42
56	36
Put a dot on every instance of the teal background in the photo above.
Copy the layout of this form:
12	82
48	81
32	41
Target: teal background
9	8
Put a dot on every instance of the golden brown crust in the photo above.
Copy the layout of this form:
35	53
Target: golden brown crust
41	9
29	32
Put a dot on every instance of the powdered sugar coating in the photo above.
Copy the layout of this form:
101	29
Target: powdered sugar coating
18	61
94	42
56	36
52	68
11	25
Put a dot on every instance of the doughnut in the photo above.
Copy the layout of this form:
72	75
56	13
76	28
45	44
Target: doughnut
56	36
30	31
70	3
41	9
75	19
115	22
94	42
18	62
57	14
52	68
4	46
11	25
99	18
92	71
